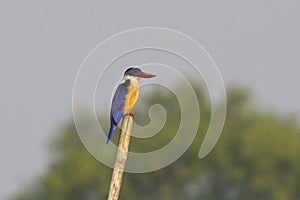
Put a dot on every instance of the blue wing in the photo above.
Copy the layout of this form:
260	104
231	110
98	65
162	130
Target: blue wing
118	103
116	111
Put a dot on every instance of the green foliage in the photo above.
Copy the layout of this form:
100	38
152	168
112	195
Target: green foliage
257	157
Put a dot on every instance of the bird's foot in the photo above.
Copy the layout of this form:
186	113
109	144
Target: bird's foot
131	114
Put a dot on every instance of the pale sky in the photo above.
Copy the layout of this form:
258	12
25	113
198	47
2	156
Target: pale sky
42	44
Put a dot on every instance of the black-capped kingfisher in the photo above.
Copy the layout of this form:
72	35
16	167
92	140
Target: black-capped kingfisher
125	96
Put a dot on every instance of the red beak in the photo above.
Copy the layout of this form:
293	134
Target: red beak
144	75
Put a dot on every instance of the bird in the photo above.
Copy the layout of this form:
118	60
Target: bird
125	96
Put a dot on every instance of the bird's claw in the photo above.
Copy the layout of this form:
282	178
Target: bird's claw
131	114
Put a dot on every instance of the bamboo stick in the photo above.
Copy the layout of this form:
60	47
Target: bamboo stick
121	157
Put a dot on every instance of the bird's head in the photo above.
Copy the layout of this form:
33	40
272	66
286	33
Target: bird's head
137	72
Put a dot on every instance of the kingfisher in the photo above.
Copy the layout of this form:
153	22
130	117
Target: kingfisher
125	96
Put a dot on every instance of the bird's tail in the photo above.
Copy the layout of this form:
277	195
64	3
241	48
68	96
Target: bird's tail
111	130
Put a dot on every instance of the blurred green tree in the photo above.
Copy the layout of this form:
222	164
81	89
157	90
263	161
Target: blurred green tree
257	157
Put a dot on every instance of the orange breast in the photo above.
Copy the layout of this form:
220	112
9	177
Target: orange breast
130	97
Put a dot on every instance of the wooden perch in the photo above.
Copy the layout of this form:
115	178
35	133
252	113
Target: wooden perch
123	144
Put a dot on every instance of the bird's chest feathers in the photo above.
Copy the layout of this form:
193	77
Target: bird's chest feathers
132	90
